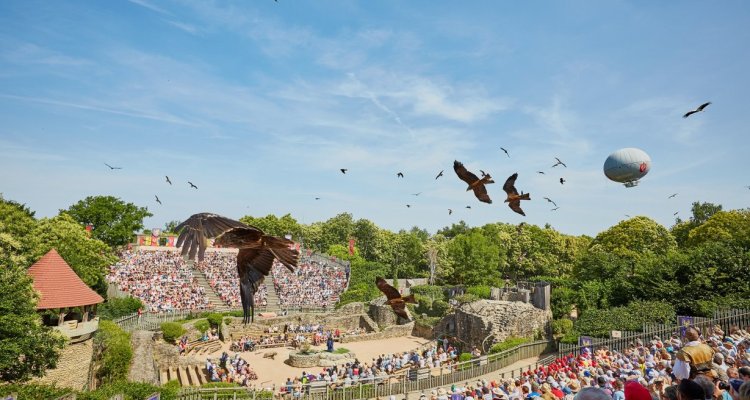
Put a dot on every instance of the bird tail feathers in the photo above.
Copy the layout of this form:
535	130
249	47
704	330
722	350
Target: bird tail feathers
525	196
283	250
410	299
487	179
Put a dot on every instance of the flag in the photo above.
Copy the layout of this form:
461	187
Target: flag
684	323
351	247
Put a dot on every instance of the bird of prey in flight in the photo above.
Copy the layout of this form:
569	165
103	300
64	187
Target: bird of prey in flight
450	211
482	173
256	255
408	206
192	185
475	184
676	213
562	181
468	206
699	109
157	199
343	170
397	303
540	172
416	194
672	196
111	167
550	200
439	174
506	152
514	199
554	209
168	181
559	163
400	175
317	198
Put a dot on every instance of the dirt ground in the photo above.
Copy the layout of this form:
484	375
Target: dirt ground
276	372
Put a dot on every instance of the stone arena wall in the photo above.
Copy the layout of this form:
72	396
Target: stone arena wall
387	333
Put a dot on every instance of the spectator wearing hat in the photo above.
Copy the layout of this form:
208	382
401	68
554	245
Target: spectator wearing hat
690	390
636	391
694	358
592	393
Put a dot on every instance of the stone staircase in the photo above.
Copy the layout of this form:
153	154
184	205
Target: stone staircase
213	298
193	375
272	296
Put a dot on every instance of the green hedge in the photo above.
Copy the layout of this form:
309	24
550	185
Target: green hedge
214	319
562	326
132	391
113	352
599	323
202	326
118	307
33	391
172	331
432	291
508	343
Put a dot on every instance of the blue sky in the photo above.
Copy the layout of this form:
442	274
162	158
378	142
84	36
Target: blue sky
260	103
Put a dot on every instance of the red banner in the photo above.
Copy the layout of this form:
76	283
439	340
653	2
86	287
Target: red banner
351	247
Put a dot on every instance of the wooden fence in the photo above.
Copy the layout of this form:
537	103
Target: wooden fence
724	318
413	380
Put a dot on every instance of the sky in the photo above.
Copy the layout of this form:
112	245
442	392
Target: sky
261	103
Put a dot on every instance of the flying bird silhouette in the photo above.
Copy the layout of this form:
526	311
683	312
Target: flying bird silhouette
554	209
506	152
400	175
672	196
482	173
111	167
408	206
450	211
559	163
540	172
157	199
440	174
168	181
676	213
550	200
416	194
343	170
562	181
254	260
468	206
397	303
514	199
192	185
475	184
627	215
699	109
317	198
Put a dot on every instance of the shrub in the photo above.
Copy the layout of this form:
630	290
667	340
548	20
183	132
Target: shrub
433	292
34	391
481	291
439	308
172	331
227	321
118	307
508	344
562	326
466	298
214	319
113	352
202	326
131	390
341	350
599	323
464	357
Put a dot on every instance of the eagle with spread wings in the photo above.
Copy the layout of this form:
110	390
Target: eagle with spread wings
514	199
254	260
397	303
475	184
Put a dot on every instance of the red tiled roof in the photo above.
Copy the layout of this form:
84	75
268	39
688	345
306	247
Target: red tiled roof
58	285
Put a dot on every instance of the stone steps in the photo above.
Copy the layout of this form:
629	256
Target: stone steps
192	375
213	298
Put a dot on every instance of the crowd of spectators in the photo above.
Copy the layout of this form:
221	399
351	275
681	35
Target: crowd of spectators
230	370
160	279
312	284
649	371
220	269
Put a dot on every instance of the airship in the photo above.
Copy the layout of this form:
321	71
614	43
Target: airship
627	166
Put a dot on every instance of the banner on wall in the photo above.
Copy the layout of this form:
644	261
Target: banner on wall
684	322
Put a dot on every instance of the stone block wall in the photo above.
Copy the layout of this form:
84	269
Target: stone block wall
387	333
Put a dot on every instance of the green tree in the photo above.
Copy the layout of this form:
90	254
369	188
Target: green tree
89	258
365	233
170	226
474	260
273	225
16	224
27	348
114	221
454	230
723	226
701	212
634	237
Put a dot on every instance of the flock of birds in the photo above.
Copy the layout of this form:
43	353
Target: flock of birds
257	251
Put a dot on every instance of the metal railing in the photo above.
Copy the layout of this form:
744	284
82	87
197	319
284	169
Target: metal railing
411	380
724	318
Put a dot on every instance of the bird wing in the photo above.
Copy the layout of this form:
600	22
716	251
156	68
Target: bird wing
481	192
400	310
463	173
689	113
389	291
704	105
195	230
516	206
509	186
439	174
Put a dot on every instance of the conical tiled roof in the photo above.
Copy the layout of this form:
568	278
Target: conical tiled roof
58	285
